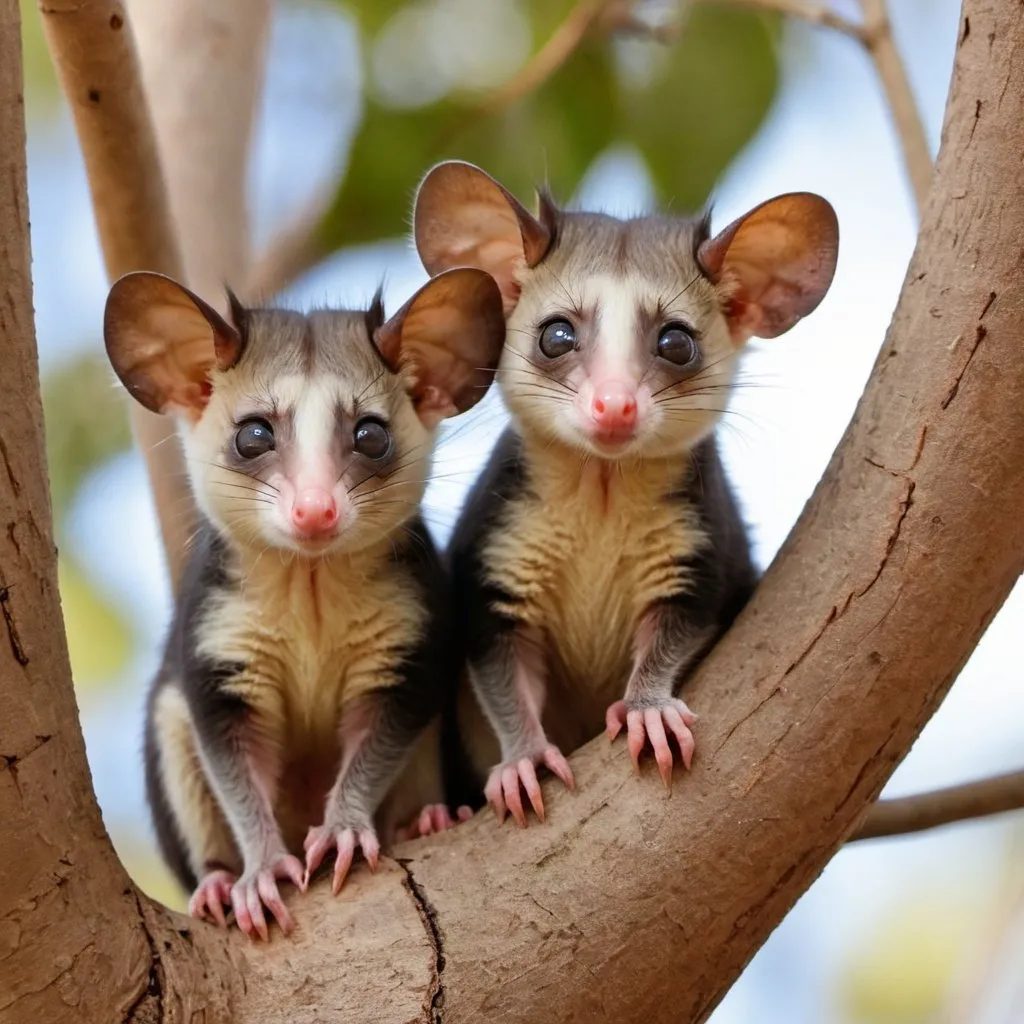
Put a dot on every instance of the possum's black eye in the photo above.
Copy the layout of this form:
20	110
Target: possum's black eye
372	439
676	344
557	338
254	437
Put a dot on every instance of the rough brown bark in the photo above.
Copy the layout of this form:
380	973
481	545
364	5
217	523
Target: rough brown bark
61	887
627	904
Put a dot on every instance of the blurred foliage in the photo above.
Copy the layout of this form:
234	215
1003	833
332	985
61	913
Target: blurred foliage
85	424
99	638
688	107
40	76
903	971
85	427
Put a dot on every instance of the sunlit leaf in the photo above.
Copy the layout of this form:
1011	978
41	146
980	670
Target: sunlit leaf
550	135
41	86
694	104
86	424
99	637
710	92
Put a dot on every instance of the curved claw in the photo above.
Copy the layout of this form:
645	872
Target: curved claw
210	896
258	889
345	841
509	780
654	725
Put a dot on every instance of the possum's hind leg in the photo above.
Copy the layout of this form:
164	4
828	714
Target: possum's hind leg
191	829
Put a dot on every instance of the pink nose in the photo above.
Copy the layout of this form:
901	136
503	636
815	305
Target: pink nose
314	512
614	408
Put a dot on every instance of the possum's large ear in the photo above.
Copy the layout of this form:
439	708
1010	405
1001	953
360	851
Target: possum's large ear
464	218
446	341
163	341
773	265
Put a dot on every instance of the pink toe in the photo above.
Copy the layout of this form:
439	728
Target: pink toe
271	897
613	718
532	787
556	762
510	790
371	847
255	905
659	743
637	736
425	823
242	916
464	813
346	852
492	791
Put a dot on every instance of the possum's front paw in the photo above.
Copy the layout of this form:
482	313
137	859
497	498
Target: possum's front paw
258	888
345	837
646	723
433	818
212	893
503	784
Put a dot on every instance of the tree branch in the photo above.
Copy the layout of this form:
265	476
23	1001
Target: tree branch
202	64
943	807
561	45
94	52
875	35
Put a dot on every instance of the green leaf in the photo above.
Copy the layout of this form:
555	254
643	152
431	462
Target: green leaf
41	85
86	424
710	92
698	103
552	135
99	638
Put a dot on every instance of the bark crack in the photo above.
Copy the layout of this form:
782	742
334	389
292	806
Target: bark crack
15	486
11	761
148	1008
433	1007
12	627
979	336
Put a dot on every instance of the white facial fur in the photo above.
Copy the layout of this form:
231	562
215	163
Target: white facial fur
313	415
617	314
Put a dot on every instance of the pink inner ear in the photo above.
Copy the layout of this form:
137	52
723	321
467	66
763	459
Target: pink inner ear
434	405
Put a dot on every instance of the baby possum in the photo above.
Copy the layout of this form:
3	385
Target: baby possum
602	553
311	643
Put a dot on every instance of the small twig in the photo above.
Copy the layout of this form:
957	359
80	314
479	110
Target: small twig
551	56
294	250
909	127
810	11
942	807
875	35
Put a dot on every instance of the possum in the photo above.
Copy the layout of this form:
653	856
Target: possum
311	649
601	553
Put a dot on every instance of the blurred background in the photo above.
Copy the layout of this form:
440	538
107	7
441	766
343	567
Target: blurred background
360	98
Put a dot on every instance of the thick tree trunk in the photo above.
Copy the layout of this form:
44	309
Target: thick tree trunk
627	904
